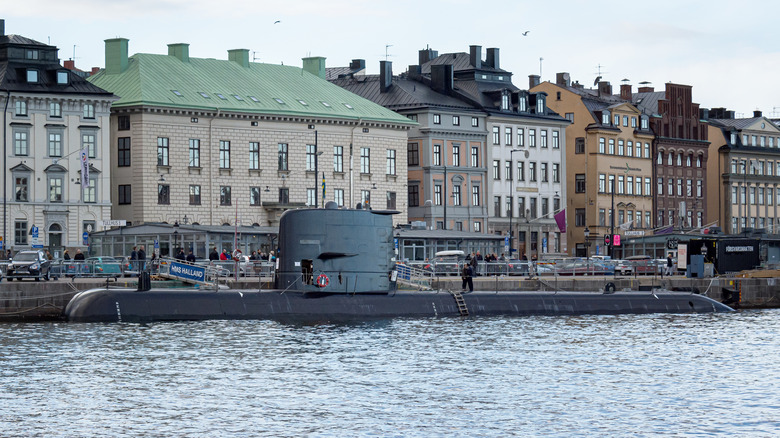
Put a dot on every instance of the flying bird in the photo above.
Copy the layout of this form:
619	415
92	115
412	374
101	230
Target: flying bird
526	32
277	21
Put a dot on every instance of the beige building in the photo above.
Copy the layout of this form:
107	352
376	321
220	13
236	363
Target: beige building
608	145
215	142
748	169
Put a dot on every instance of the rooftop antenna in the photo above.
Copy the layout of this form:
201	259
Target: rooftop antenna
387	46
540	67
74	53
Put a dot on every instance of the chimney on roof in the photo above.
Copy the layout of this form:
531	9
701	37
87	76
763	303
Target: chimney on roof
625	92
116	55
357	64
426	55
385	75
69	64
492	58
704	114
239	56
605	89
180	51
414	72
533	80
757	113
94	71
315	65
563	79
645	89
475	53
2	27
442	78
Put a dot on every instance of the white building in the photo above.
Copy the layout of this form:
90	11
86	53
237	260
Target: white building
50	115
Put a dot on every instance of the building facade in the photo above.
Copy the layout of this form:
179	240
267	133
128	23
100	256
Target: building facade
681	152
445	154
610	168
226	142
748	171
51	115
524	166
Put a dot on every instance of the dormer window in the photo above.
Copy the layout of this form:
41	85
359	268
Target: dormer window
505	102
62	78
605	118
32	76
539	104
32	54
644	122
522	104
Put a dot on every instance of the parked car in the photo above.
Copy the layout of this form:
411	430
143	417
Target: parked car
517	267
582	267
29	264
447	262
104	267
640	265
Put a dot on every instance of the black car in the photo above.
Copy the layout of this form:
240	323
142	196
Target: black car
29	264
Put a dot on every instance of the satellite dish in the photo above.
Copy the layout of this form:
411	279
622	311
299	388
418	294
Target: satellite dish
596	82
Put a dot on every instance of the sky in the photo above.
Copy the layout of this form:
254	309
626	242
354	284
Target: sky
726	50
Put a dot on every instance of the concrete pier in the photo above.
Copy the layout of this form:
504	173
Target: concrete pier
45	301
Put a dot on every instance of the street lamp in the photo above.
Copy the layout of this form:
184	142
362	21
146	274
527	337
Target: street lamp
512	197
587	249
175	239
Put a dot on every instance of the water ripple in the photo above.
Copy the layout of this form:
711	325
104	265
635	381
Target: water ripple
681	375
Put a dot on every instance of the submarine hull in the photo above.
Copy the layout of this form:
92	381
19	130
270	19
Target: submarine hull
126	305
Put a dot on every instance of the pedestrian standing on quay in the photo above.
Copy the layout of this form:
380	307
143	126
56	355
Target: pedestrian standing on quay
191	257
141	258
669	264
467	278
134	258
66	255
213	255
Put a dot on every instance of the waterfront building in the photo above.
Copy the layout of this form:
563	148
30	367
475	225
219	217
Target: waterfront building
51	114
234	142
747	196
487	157
608	148
445	156
681	153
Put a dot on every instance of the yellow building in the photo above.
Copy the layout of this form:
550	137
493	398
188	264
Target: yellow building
608	165
748	171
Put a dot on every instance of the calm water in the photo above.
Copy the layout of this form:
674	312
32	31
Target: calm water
679	375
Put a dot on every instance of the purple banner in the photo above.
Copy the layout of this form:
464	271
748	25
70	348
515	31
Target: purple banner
560	219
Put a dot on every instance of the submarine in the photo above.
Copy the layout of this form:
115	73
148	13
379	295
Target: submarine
339	264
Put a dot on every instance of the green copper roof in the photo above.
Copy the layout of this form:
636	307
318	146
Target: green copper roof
259	88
